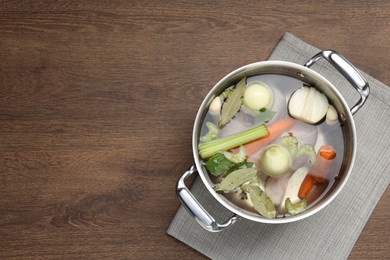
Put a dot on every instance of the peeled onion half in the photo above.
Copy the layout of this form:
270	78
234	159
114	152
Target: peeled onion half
308	105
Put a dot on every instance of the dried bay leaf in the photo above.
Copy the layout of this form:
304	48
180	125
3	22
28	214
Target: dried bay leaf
236	178
260	200
233	103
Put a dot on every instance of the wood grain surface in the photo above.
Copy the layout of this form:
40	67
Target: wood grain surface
97	102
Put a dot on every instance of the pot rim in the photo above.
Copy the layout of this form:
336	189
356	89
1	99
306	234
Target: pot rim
252	216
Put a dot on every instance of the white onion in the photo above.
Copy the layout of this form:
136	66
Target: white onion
215	106
331	115
308	105
257	96
275	161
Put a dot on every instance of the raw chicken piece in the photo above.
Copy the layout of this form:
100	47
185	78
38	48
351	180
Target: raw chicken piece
241	122
305	133
275	187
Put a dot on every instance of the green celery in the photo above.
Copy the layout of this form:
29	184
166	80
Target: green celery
220	145
297	208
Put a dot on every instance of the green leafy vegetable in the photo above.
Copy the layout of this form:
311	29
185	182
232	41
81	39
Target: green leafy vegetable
260	200
238	157
233	103
297	208
220	145
264	116
212	134
236	178
218	164
242	165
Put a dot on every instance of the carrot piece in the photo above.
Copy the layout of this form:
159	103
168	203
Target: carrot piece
274	130
316	180
306	186
322	167
316	192
328	152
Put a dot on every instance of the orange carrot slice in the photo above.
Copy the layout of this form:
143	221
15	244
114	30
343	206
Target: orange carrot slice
275	129
306	186
328	152
324	160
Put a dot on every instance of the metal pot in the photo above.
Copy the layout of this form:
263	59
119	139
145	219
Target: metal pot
304	73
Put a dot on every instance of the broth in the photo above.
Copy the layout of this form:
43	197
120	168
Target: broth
283	87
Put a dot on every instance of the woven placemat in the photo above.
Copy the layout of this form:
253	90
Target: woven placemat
332	232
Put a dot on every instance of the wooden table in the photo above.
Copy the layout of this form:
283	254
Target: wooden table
97	102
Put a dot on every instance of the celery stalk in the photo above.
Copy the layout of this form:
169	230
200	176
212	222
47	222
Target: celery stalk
220	145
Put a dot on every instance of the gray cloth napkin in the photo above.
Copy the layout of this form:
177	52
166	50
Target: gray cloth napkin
330	233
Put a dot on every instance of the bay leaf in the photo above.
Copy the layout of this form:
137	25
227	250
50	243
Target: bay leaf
236	178
260	200
233	103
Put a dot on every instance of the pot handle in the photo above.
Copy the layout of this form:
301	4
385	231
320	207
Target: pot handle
348	71
195	209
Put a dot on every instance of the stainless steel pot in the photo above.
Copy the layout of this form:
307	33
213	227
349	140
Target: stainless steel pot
307	75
